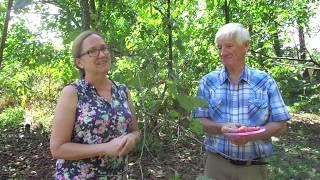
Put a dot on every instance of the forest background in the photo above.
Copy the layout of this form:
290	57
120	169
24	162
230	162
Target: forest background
160	49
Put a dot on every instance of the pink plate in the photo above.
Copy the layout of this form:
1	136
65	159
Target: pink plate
246	133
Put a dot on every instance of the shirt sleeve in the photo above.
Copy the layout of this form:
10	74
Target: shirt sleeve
203	93
278	109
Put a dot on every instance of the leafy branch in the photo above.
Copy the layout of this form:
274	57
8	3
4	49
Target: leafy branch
311	60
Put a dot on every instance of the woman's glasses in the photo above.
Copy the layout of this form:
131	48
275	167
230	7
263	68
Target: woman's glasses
95	52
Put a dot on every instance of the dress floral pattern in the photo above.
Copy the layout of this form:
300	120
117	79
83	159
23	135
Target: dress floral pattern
97	121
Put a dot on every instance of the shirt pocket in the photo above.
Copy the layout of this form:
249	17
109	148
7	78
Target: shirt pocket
258	111
215	110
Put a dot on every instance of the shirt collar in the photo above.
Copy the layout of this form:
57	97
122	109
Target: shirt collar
245	75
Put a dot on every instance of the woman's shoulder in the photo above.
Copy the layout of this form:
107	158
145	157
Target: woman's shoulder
79	85
119	86
69	89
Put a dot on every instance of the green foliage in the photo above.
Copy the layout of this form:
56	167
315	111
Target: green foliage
176	177
34	70
43	116
11	117
202	178
189	102
296	154
196	127
299	94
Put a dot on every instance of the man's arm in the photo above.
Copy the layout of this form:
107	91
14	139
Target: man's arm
212	127
272	129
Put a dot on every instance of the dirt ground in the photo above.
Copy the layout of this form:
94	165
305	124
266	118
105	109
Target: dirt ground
26	155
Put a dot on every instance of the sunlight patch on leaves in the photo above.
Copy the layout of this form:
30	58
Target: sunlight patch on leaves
275	139
19	4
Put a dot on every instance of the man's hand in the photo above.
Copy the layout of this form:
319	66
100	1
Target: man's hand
230	128
237	128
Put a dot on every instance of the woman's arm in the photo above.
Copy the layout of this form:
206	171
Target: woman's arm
133	137
63	123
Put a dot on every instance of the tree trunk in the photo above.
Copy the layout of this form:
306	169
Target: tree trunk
226	11
5	30
169	26
85	15
94	16
277	44
302	43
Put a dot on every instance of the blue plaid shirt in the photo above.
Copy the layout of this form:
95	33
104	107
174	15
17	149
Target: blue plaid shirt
255	101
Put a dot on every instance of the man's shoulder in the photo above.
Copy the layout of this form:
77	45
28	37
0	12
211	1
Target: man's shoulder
213	75
260	78
257	74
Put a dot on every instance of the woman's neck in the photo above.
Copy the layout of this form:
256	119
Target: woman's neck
99	82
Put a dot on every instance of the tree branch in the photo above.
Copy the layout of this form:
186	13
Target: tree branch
311	60
67	11
162	13
5	30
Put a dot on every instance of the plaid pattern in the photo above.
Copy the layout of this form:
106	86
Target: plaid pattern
255	101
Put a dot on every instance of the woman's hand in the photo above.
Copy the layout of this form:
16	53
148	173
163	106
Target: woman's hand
131	140
116	145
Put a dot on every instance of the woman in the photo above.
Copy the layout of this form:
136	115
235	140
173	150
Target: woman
94	125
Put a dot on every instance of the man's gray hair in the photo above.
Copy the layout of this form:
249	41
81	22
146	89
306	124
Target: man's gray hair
234	31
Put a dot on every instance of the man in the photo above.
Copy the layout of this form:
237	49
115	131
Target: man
239	98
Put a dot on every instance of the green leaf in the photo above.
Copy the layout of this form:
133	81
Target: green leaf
172	88
196	126
71	36
189	102
174	114
155	105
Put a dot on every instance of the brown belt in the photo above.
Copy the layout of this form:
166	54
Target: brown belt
256	161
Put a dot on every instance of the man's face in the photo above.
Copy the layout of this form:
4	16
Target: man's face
231	53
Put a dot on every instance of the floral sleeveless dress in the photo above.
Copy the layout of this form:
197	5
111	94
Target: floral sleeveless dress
97	121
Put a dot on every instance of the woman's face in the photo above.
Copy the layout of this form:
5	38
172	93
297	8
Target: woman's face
95	57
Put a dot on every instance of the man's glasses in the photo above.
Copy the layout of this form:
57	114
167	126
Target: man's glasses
95	52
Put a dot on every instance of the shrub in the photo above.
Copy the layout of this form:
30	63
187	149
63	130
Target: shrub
11	117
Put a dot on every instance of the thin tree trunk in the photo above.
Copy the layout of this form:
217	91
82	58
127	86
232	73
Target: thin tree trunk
85	15
302	43
169	26
99	11
226	11
93	11
277	44
5	30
